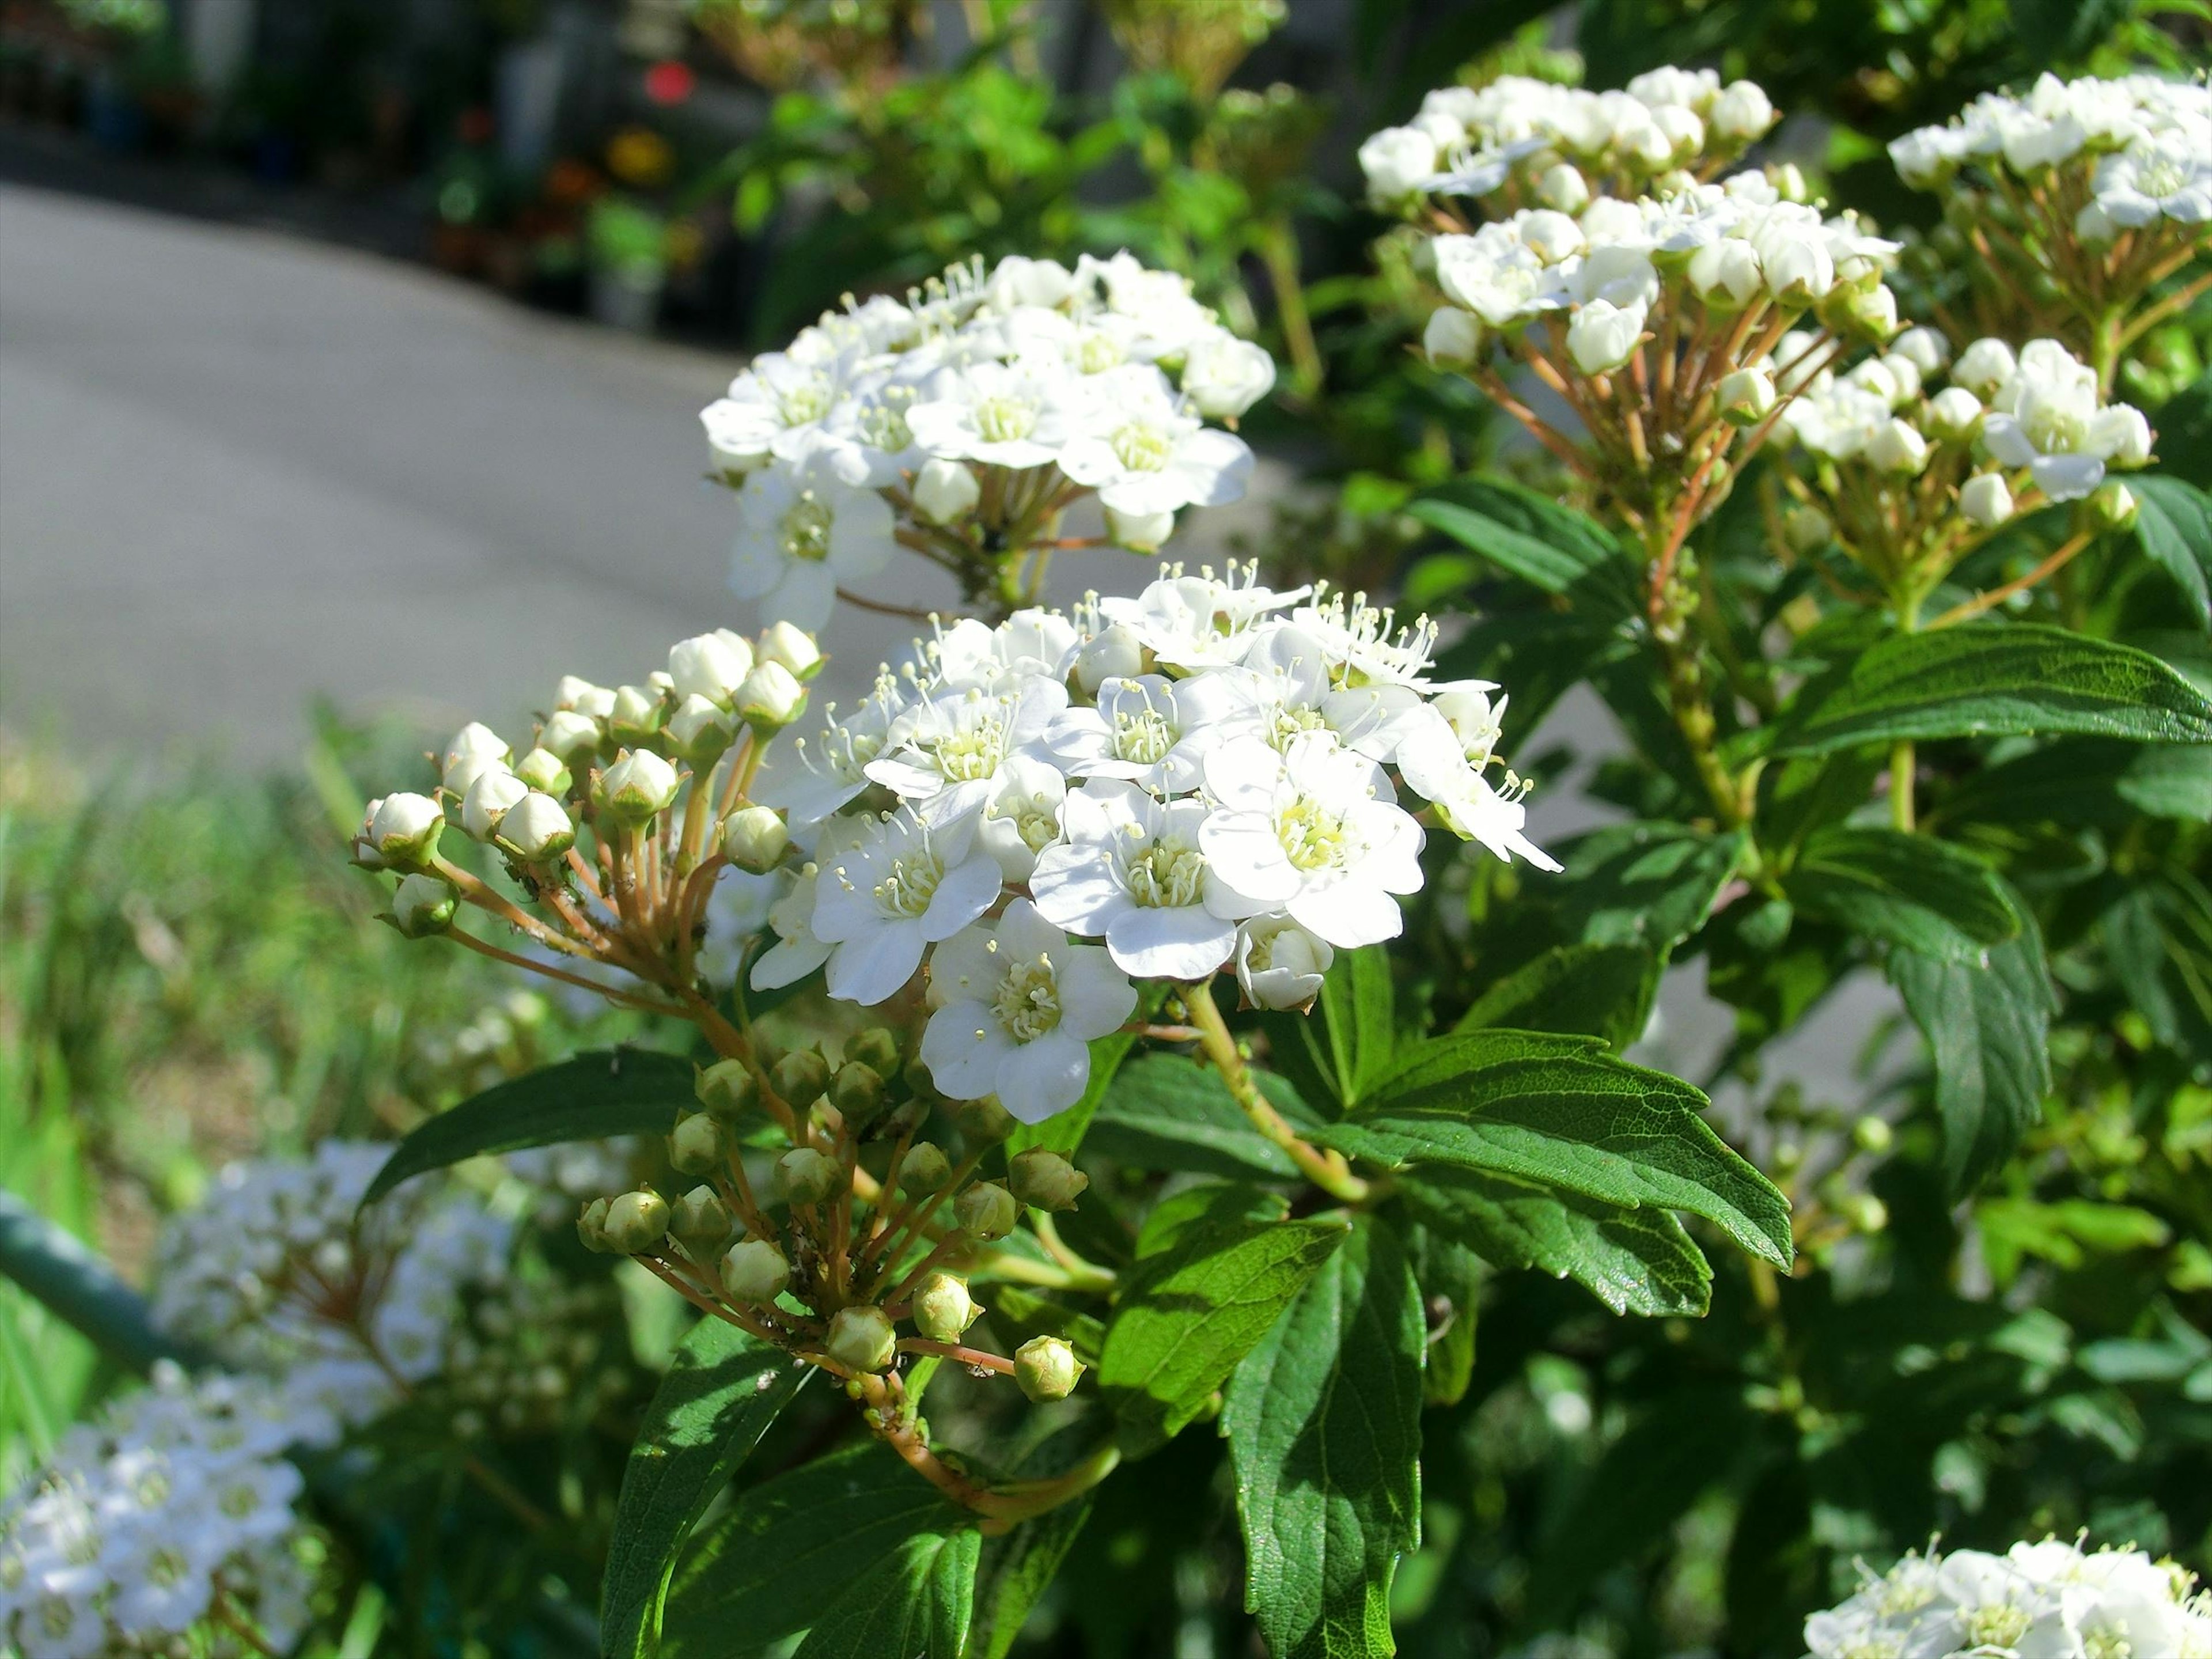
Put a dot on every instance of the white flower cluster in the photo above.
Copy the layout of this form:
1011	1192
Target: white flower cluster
2144	145
2036	414
171	1511
1561	145
274	1274
1195	778
964	420
2047	1600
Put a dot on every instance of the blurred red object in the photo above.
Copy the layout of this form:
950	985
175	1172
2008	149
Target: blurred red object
670	81
475	125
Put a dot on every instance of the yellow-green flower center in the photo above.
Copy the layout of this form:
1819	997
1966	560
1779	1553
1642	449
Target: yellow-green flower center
1166	877
1142	447
805	532
1312	837
912	883
1005	419
1027	1001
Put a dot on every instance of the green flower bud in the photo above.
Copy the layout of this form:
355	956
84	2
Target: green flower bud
1873	1134
793	647
636	788
803	1176
862	1339
943	1309
636	1221
542	770
423	905
925	1170
2112	508
755	839
592	1227
754	1272
987	1210
857	1091
1047	1368
403	831
771	698
727	1090
1046	1181
702	730
700	1221
698	1146
876	1048
984	1122
800	1077
636	715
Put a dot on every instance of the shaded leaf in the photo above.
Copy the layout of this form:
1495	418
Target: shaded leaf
1348	1038
1530	536
1603	990
1014	1570
1910	890
915	1603
1648	883
1171	1112
2173	523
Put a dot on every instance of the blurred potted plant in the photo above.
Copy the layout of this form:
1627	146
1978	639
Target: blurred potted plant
627	245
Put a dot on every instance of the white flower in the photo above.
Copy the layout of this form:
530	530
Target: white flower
1603	336
1132	872
1022	817
1278	963
1143	455
945	491
1896	447
1149	730
907	886
1954	414
812	778
1398	162
2047	420
958	739
1452	336
1312	831
1985	501
1222	376
1435	762
1153	310
1189	623
1742	112
2155	179
771	409
1985	366
1495	276
1017	1007
802	533
1014	414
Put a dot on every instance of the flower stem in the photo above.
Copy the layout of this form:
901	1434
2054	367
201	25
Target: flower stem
1327	1169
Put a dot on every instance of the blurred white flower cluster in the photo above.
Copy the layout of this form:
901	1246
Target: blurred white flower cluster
1543	145
170	1513
962	422
2047	1600
1193	780
273	1274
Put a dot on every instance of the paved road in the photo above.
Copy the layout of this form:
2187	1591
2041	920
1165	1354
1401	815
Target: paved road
238	469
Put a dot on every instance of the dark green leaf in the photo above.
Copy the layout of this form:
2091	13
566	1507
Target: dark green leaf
1634	1261
1560	1112
1529	535
1647	883
1167	1112
1910	890
1063	1132
2173	523
914	1604
1208	1204
1014	1570
1602	990
626	1091
719	1397
1348	1038
1992	680
1450	1277
1987	1027
1187	1314
1323	1420
790	1547
2169	781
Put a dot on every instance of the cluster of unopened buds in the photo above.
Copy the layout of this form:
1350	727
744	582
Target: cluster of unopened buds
2048	1600
1006	851
166	1524
962	422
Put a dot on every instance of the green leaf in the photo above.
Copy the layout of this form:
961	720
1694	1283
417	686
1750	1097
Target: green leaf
2174	522
623	1091
710	1411
1349	1037
1560	1112
789	1546
1913	891
2169	781
1323	1421
1987	1027
916	1602
1187	1314
1648	883
1063	1132
1603	990
1168	1112
1637	1261
1451	1277
1996	679
1529	535
1014	1570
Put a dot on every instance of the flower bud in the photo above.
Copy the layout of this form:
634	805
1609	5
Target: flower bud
1874	1135
1044	1180
1807	529
795	648
984	1122
877	1048
636	1221
1222	376
946	491
1983	367
1747	397
574	692
754	1272
804	1176
700	1221
1453	337
535	829
1954	414
1898	447
1866	1212
702	730
1047	1368
862	1339
2123	433
2112	507
1726	273
771	698
1398	162
423	905
637	787
568	734
925	1170
799	1077
755	839
592	1227
727	1089
1563	189
698	1146
1603	335
404	830
987	1210
857	1091
710	665
942	1310
635	716
488	800
1115	652
541	768
1986	500
475	741
1869	311
1741	112
1799	271
1790	182
1925	346
1140	532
